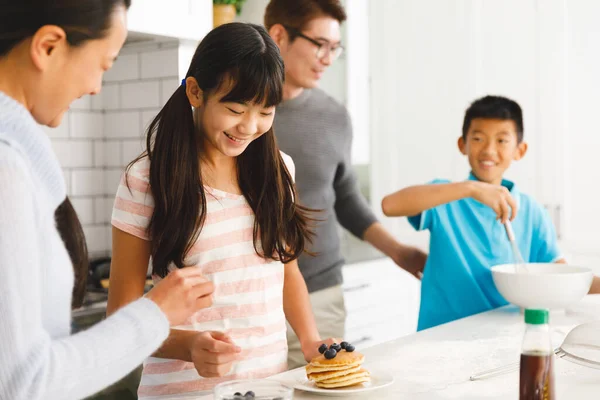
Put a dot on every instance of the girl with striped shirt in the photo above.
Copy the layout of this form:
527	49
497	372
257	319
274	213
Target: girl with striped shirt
213	191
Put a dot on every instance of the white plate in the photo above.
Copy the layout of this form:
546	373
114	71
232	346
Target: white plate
379	379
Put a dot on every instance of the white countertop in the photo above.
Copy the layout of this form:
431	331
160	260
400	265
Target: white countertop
436	364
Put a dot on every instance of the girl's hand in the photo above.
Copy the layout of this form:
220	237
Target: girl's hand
213	354
310	349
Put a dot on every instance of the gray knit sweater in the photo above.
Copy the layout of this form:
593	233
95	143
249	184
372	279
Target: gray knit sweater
39	358
315	130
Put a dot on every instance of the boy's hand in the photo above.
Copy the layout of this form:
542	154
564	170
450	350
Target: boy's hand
411	259
498	198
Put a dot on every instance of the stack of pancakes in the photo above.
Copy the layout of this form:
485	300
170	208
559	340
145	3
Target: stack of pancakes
342	371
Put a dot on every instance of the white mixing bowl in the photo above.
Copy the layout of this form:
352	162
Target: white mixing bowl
542	285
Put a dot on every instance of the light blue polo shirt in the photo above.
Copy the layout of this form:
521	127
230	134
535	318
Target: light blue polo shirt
466	241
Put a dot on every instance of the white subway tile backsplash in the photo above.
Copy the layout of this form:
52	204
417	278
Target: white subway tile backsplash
85	209
131	149
62	131
98	153
140	94
122	124
126	67
102	133
112	153
98	102
168	87
74	153
97	238
83	103
86	124
103	208
112	177
109	202
159	64
147	118
111	99
88	182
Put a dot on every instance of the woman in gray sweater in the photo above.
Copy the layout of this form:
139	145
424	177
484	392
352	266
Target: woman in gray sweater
51	53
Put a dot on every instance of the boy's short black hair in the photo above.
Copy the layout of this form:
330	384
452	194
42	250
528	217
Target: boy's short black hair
494	107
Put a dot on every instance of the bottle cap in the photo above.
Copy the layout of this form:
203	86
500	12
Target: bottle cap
536	317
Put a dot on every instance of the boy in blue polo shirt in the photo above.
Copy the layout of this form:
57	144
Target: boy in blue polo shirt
466	219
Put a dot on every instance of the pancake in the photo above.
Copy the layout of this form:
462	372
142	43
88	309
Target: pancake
343	358
361	373
324	376
342	371
311	369
350	382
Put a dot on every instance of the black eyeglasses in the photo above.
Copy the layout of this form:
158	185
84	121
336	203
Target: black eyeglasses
324	49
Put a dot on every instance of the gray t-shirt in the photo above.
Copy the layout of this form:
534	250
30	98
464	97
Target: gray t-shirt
316	131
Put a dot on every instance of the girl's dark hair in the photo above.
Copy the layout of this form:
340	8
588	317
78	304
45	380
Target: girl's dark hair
82	20
243	57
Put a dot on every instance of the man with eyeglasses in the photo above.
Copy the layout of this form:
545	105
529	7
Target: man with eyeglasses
315	130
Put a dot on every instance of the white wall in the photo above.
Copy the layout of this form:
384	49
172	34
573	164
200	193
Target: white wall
253	11
428	66
357	75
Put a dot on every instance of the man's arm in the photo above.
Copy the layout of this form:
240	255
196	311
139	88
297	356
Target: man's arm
356	216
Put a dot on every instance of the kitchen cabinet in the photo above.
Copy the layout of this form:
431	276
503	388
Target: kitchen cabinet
430	59
382	302
181	19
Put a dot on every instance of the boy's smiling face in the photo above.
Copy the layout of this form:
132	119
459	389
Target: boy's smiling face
491	145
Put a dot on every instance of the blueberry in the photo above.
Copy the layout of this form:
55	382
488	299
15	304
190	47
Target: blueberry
331	353
336	347
322	348
237	394
344	344
249	394
349	348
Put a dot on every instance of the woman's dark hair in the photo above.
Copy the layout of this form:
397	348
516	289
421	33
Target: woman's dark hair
82	20
243	58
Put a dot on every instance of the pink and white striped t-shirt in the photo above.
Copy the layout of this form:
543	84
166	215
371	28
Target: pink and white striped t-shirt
248	298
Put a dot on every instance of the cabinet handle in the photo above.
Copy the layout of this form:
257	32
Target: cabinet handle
358	287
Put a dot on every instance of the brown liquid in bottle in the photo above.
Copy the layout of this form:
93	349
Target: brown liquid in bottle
537	377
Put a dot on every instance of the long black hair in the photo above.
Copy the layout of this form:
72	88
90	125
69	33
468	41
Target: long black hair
82	20
243	58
